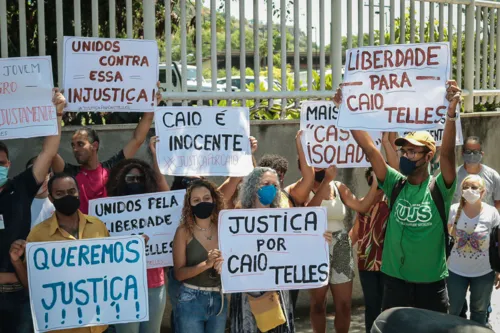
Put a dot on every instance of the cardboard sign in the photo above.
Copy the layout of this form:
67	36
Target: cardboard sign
155	214
26	108
203	141
87	282
395	87
104	75
264	249
324	143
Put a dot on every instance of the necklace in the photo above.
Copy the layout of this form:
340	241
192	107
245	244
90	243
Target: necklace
205	230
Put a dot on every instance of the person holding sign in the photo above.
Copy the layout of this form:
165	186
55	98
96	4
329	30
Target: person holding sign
68	223
335	196
41	208
201	307
16	196
414	257
91	174
132	177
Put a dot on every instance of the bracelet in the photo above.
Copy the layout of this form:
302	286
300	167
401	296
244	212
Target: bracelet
59	114
451	118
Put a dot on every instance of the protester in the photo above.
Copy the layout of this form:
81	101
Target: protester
368	233
414	256
131	177
259	190
16	197
68	223
201	307
41	208
472	154
471	222
335	196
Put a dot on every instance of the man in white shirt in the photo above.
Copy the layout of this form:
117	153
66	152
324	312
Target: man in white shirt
41	208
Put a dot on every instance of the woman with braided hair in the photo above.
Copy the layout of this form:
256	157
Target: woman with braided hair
470	222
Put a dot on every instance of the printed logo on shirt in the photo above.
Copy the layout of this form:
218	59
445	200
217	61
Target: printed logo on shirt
413	215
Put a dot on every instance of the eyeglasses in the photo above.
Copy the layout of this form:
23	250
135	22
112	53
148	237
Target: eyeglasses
134	179
410	153
472	152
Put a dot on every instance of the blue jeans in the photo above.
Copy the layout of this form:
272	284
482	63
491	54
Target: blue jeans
173	291
15	312
197	311
157	300
373	292
481	288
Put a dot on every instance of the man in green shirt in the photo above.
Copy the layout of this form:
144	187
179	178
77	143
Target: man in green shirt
414	259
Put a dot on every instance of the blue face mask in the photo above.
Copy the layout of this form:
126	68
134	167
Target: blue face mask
4	171
267	194
406	166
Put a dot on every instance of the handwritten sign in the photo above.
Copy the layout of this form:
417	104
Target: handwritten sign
87	282
395	87
324	143
26	108
263	249
154	214
203	141
103	74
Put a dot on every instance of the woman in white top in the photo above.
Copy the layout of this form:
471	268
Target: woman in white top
471	221
335	196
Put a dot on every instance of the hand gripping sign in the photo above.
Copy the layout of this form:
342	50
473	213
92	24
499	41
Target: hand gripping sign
395	87
87	282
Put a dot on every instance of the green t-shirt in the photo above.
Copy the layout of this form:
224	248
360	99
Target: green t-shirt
414	248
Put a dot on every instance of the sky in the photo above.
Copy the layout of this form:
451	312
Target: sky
328	3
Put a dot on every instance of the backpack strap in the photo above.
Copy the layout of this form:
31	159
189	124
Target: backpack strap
289	197
398	187
437	197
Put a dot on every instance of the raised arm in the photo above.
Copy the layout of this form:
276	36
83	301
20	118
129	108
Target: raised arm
359	205
366	143
447	159
231	183
390	149
162	182
300	190
140	133
324	189
51	143
182	272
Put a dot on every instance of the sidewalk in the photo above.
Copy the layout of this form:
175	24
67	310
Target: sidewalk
303	324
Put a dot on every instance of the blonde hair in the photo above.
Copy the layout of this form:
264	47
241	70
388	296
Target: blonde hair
482	185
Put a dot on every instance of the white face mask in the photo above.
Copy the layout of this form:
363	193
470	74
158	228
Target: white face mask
471	196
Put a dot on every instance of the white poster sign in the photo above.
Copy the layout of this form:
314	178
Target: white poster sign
104	75
87	282
437	133
395	87
26	108
156	215
263	249
324	143
203	141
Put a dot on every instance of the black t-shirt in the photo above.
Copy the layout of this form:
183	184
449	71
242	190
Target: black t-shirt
15	207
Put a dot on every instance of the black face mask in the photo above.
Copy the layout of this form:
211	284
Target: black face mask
67	205
134	188
319	176
203	210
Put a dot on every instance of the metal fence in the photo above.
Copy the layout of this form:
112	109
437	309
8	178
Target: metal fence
473	26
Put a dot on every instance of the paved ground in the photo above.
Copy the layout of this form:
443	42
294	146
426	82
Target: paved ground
495	315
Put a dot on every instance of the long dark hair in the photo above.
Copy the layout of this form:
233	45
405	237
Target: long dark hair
116	183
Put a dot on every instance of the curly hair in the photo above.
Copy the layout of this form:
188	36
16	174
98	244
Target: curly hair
250	186
276	162
116	185
187	215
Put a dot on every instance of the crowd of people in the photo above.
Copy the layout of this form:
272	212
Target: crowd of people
402	232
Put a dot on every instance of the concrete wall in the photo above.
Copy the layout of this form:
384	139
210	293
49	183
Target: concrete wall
274	137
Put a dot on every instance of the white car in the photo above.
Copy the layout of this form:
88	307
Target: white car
236	82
